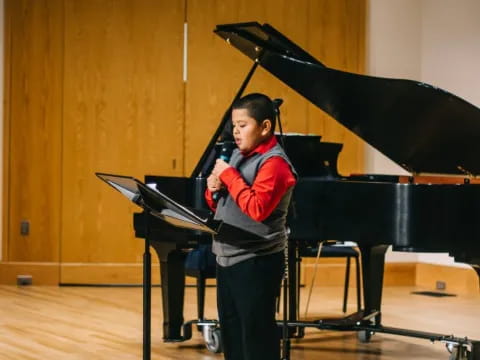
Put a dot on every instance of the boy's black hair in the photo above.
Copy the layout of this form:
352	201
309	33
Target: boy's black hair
258	106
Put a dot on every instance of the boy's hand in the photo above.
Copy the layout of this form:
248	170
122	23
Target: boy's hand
220	166
214	184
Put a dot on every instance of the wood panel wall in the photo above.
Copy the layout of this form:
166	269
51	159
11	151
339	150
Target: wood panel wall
123	113
332	31
337	38
209	93
96	85
34	123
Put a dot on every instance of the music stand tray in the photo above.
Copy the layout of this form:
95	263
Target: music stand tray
159	204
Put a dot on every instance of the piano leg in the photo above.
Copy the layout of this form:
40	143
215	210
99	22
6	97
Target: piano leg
373	263
172	275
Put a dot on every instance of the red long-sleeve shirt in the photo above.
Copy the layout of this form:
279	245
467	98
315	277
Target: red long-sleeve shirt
273	180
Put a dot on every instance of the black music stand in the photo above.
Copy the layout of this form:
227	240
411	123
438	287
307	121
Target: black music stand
159	205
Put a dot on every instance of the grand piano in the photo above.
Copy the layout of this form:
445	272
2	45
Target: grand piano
424	129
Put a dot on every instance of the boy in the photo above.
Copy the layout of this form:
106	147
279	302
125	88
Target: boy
257	185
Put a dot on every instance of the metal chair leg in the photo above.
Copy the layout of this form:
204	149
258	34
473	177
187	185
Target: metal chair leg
359	288
345	290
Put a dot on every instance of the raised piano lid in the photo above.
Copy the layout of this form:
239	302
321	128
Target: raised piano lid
422	128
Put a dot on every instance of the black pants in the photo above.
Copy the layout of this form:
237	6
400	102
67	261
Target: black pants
246	294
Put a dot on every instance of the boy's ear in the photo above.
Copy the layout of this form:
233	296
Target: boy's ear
266	126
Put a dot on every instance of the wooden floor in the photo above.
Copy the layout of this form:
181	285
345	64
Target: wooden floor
106	323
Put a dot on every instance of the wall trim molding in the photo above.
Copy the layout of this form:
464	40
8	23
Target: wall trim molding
458	280
330	272
43	273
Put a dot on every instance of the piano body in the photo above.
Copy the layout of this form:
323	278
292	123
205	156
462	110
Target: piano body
422	128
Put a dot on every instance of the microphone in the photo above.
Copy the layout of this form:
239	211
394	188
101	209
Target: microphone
225	153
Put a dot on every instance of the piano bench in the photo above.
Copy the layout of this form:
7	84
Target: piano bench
330	250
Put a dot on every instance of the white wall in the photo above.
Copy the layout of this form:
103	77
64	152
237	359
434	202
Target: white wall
433	41
451	46
393	51
451	58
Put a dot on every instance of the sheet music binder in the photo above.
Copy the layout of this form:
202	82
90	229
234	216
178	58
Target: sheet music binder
158	204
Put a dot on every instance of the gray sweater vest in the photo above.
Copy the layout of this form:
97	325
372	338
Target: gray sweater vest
231	244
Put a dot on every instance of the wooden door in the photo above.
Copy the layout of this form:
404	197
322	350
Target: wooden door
123	113
33	75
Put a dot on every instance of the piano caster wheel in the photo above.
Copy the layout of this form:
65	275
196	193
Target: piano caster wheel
364	336
214	342
458	352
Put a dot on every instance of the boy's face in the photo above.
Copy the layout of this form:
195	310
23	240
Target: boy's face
247	132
